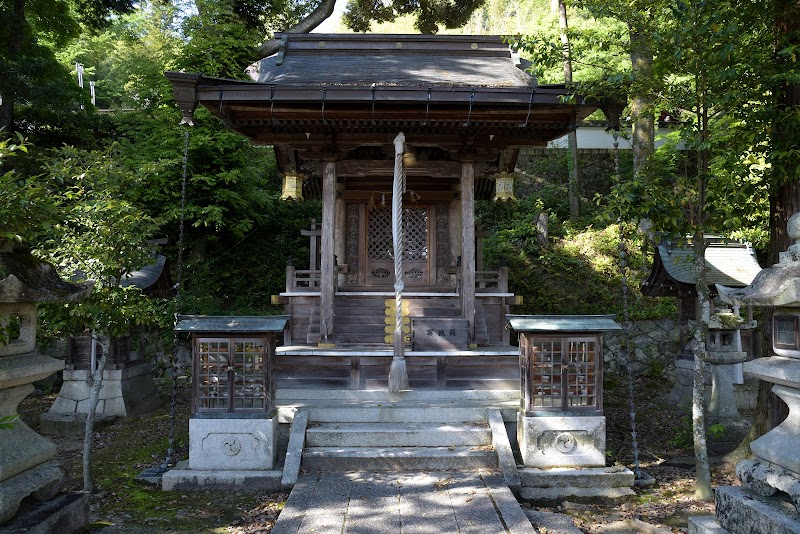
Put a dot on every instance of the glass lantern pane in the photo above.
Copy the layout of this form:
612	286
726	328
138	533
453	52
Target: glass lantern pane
545	373
213	374
582	356
785	331
249	363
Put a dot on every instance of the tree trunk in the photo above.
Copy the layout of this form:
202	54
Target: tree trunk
784	200
14	47
643	135
574	170
703	490
314	19
94	397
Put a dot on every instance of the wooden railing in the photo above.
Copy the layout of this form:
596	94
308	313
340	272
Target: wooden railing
302	280
496	281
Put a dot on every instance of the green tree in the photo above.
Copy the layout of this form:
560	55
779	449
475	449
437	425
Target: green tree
101	237
705	57
29	32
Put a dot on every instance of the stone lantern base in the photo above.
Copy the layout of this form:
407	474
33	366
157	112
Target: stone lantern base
237	454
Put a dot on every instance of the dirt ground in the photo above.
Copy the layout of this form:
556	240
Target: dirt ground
124	449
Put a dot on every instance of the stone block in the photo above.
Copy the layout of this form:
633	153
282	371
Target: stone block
25	313
591	477
705	524
183	479
63	405
22	449
557	441
741	511
552	523
232	444
65	514
70	424
43	481
779	445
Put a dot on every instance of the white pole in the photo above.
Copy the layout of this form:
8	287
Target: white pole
91	90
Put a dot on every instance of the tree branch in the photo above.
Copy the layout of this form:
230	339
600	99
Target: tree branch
314	19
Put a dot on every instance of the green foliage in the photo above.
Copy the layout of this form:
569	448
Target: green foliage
27	207
430	13
7	421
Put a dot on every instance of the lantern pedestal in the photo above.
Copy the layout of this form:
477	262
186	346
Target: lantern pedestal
126	392
234	425
562	441
228	454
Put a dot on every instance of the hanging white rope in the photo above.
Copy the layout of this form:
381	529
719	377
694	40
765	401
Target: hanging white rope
398	375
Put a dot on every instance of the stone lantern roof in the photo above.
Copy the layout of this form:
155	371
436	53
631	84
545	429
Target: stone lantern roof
25	278
778	285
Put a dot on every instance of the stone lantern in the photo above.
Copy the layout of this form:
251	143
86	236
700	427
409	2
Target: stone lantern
26	466
723	352
233	428
561	428
769	499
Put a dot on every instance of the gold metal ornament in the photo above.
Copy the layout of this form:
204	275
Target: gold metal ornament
504	187
293	186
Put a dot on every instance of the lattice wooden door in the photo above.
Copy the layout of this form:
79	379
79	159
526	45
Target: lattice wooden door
416	252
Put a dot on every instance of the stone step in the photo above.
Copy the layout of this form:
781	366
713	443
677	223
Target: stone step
398	458
585	477
388	414
398	435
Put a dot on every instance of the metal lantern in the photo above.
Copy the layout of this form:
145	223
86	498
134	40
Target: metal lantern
504	187
293	186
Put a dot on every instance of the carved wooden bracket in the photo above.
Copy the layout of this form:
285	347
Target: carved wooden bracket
184	90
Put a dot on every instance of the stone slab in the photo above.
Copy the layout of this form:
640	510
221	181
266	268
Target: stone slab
232	444
589	495
383	396
739	510
590	477
397	458
390	503
65	514
775	369
22	449
43	482
26	369
505	455
552	523
183	479
555	441
419	414
294	451
397	435
72	424
705	524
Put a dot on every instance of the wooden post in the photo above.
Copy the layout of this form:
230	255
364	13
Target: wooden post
468	245
290	275
326	286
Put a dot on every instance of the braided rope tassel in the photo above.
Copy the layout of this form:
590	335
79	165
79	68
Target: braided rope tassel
398	374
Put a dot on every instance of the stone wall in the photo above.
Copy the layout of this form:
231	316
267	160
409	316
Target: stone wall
655	346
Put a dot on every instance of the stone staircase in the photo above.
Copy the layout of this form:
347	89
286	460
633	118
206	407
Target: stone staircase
422	430
388	437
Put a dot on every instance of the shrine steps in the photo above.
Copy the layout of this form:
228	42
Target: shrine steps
393	438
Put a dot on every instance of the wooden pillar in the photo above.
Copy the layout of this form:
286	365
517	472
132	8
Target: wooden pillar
327	286
468	245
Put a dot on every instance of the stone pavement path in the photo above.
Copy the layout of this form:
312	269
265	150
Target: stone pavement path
409	503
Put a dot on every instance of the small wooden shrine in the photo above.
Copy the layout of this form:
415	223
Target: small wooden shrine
331	105
728	263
